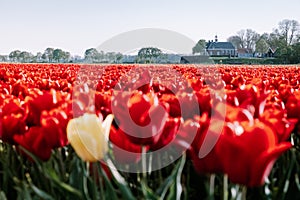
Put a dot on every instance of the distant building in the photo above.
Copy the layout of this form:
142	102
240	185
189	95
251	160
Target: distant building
245	53
270	53
194	59
216	48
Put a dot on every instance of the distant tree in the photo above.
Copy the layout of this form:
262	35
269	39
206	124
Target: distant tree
147	54
295	57
92	55
110	57
66	56
236	41
200	47
38	57
48	54
3	58
262	46
249	37
244	39
15	55
25	56
58	54
285	39
298	38
284	54
119	56
274	40
289	31
286	34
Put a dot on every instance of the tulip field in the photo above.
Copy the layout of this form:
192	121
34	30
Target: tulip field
112	131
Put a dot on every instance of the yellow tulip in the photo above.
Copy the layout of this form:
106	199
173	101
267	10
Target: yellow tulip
88	136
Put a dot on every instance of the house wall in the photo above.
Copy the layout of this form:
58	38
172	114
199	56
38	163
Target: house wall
245	55
221	52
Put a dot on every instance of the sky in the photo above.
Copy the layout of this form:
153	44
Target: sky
76	25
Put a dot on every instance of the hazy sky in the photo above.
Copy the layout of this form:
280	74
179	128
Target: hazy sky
75	25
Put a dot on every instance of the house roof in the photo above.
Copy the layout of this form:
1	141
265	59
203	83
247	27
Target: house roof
219	45
271	50
244	51
195	59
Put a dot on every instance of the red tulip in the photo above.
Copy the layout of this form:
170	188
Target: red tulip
54	124
39	101
174	104
35	142
250	95
204	101
170	131
247	158
277	120
124	150
12	116
293	106
140	116
210	162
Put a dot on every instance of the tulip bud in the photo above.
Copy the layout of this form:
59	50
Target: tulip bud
88	135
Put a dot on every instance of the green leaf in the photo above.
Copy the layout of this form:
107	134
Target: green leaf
110	192
176	188
33	157
41	193
85	181
76	174
22	189
120	181
284	186
173	182
53	176
2	195
148	193
164	187
297	181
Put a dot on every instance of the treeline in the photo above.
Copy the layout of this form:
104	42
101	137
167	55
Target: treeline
284	41
49	55
91	55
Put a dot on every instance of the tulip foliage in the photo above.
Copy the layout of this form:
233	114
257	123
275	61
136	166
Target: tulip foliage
82	131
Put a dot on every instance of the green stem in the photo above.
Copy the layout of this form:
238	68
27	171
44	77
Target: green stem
160	177
225	187
188	180
244	192
144	171
212	185
61	163
144	163
85	179
98	168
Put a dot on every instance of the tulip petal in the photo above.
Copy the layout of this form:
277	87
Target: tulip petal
263	165
106	125
86	136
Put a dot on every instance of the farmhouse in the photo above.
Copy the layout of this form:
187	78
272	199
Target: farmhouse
216	48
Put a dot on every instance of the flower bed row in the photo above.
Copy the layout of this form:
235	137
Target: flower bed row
233	121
